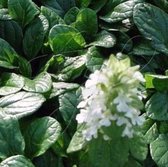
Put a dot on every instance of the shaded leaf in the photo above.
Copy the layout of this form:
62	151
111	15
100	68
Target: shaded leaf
40	135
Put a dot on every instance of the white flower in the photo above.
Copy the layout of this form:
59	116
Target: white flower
111	94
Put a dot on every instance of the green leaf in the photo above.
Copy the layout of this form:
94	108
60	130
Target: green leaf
159	82
62	87
97	5
94	59
10	83
68	106
84	17
22	11
144	48
71	39
104	39
157	106
138	147
52	17
21	104
16	161
59	6
24	66
4	14
3	3
71	15
8	55
132	163
49	159
78	142
40	135
150	130
71	68
122	11
158	149
11	139
84	3
12	33
152	22
34	36
41	84
113	153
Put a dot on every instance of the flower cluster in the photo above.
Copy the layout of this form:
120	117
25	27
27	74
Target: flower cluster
111	94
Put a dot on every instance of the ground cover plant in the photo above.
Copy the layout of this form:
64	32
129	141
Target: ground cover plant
83	83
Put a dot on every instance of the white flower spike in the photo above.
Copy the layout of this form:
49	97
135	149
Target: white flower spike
111	94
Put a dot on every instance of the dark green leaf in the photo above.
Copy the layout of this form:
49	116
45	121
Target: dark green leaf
144	48
59	6
71	68
104	39
10	83
152	22
49	159
113	153
71	39
132	163
150	130
34	36
12	33
23	11
21	104
68	106
11	140
41	84
40	135
8	55
84	17
52	17
157	106
16	161
158	149
71	15
97	5
94	59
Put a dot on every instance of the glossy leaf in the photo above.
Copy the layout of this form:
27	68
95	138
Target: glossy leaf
21	104
41	84
150	20
84	17
22	11
158	149
61	87
157	106
71	68
71	39
8	55
40	135
16	161
34	36
104	39
11	140
94	59
10	83
122	11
